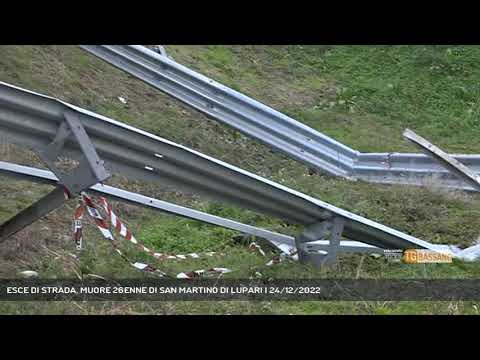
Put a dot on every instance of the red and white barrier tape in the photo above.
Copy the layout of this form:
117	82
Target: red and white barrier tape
199	273
77	227
121	229
277	259
102	225
254	247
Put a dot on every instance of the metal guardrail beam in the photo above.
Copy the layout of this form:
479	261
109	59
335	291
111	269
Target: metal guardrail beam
444	159
283	242
40	208
230	107
32	119
274	128
89	170
411	169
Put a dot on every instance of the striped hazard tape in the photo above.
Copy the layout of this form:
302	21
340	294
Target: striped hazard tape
89	206
122	230
78	227
254	247
199	273
94	213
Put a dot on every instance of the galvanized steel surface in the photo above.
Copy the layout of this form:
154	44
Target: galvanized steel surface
47	177
274	128
444	159
33	119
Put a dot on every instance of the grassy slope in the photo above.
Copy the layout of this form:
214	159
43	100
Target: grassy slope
363	96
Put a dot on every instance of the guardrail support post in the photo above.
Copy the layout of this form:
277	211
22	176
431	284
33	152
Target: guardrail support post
332	228
160	50
89	171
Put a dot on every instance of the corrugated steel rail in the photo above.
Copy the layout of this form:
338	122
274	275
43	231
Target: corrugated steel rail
33	120
285	243
448	162
274	128
27	173
230	107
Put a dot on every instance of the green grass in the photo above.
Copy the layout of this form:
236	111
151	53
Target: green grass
363	96
380	90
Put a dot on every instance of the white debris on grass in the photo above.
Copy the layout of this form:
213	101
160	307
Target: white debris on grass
471	253
29	274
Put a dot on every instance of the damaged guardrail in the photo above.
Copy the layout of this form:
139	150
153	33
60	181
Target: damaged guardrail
277	130
444	159
285	243
37	121
230	107
456	167
21	172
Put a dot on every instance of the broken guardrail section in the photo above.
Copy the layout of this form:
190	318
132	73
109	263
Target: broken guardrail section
273	128
453	165
89	171
284	243
34	120
449	162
